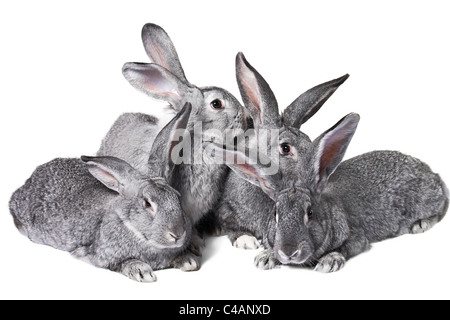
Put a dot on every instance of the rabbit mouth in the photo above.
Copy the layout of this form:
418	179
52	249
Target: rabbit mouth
299	256
169	241
284	259
165	245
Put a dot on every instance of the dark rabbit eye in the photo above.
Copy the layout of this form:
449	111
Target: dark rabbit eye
216	104
308	215
285	148
309	212
147	204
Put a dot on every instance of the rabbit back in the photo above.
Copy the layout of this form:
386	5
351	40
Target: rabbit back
131	138
386	193
55	205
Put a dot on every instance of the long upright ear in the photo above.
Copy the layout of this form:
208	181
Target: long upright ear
248	169
257	95
161	50
329	149
309	102
161	161
114	173
157	82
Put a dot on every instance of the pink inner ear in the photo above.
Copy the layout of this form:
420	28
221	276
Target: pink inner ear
331	150
251	171
104	177
155	82
252	91
157	54
109	179
327	158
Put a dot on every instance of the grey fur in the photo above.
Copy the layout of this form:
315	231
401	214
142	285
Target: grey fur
135	130
317	213
243	199
369	198
131	137
106	212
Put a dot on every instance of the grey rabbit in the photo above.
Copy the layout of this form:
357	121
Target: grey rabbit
236	209
131	137
319	213
104	211
331	213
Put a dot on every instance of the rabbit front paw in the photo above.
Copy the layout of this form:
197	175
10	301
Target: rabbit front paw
424	225
331	262
138	271
266	260
246	242
187	262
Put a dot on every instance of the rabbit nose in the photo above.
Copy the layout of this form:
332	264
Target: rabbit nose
289	249
291	256
175	237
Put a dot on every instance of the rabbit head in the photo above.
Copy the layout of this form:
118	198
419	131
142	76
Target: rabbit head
147	204
302	225
289	144
164	79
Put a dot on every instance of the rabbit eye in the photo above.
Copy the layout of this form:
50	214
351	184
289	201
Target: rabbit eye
149	205
308	214
216	104
285	149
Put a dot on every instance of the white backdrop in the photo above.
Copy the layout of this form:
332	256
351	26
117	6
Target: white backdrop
62	88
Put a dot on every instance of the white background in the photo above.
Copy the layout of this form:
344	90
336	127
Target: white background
61	89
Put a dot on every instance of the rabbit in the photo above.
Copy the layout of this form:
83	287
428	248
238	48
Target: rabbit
234	216
330	213
132	135
102	210
249	210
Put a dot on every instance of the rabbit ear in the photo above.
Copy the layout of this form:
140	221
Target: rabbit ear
329	149
257	95
114	173
161	50
245	167
157	82
161	161
308	103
